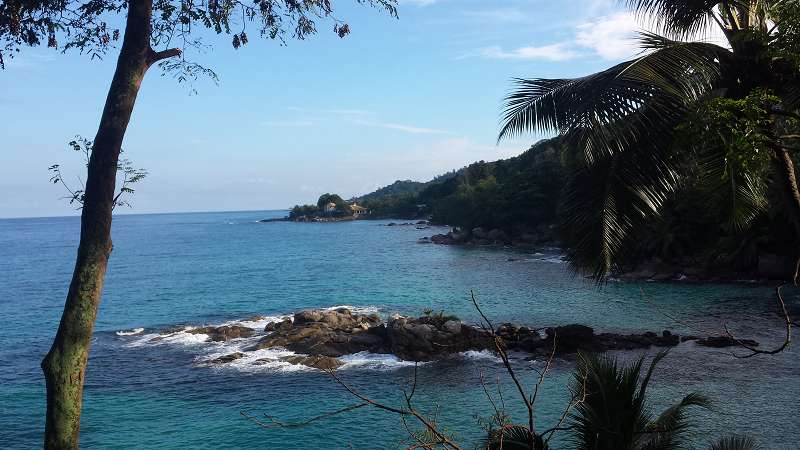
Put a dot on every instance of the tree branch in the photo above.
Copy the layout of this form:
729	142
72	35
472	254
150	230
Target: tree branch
155	56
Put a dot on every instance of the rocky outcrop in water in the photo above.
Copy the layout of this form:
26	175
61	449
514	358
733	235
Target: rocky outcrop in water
329	334
543	235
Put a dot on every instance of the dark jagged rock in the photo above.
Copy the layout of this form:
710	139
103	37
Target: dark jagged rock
334	333
424	339
227	358
224	333
325	333
317	362
284	325
725	341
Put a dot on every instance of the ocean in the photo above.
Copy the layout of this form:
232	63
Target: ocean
173	271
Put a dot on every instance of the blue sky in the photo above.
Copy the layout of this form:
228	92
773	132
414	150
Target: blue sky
397	99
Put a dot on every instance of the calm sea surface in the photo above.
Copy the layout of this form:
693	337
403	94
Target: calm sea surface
213	268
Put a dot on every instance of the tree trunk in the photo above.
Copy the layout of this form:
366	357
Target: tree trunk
787	180
65	364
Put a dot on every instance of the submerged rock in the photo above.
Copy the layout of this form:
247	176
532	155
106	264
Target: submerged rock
227	358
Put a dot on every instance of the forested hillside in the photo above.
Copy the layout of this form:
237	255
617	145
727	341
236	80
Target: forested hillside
530	194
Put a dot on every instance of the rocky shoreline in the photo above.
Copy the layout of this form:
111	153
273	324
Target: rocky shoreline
542	236
320	337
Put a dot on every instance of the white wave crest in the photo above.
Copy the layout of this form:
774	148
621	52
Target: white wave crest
132	332
479	355
373	361
356	309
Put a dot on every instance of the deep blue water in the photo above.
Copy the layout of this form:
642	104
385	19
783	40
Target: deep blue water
211	268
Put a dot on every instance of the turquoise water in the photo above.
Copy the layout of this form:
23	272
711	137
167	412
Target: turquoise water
211	268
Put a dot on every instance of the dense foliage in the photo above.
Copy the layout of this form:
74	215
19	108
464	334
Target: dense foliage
685	114
513	194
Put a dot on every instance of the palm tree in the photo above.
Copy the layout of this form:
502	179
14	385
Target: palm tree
621	127
614	415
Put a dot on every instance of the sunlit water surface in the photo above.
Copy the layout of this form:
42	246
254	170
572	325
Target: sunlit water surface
212	268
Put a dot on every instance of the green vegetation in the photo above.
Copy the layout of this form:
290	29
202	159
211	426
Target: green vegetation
610	412
302	212
685	117
513	194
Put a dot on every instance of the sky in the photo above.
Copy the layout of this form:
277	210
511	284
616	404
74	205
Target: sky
406	98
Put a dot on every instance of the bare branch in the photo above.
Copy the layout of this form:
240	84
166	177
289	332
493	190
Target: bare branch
787	340
155	56
275	423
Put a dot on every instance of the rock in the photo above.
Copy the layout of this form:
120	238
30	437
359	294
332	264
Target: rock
443	239
479	233
326	333
452	326
306	316
317	362
498	236
571	338
223	333
724	341
424	240
227	358
423	331
422	222
459	236
283	325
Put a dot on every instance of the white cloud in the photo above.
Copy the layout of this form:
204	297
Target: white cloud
611	37
400	127
553	52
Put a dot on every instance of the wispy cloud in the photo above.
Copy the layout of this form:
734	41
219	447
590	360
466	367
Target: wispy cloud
286	123
553	52
401	127
338	112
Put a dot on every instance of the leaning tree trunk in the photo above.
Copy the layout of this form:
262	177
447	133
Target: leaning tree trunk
65	364
787	181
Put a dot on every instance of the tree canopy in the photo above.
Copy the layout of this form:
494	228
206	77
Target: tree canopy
93	26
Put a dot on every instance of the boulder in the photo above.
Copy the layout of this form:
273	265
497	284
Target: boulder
316	362
724	341
443	239
498	236
227	358
326	333
571	338
284	325
306	316
452	326
479	233
224	333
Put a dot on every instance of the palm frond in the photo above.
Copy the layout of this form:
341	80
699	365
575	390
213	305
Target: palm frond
610	417
513	437
603	202
680	18
667	430
735	443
